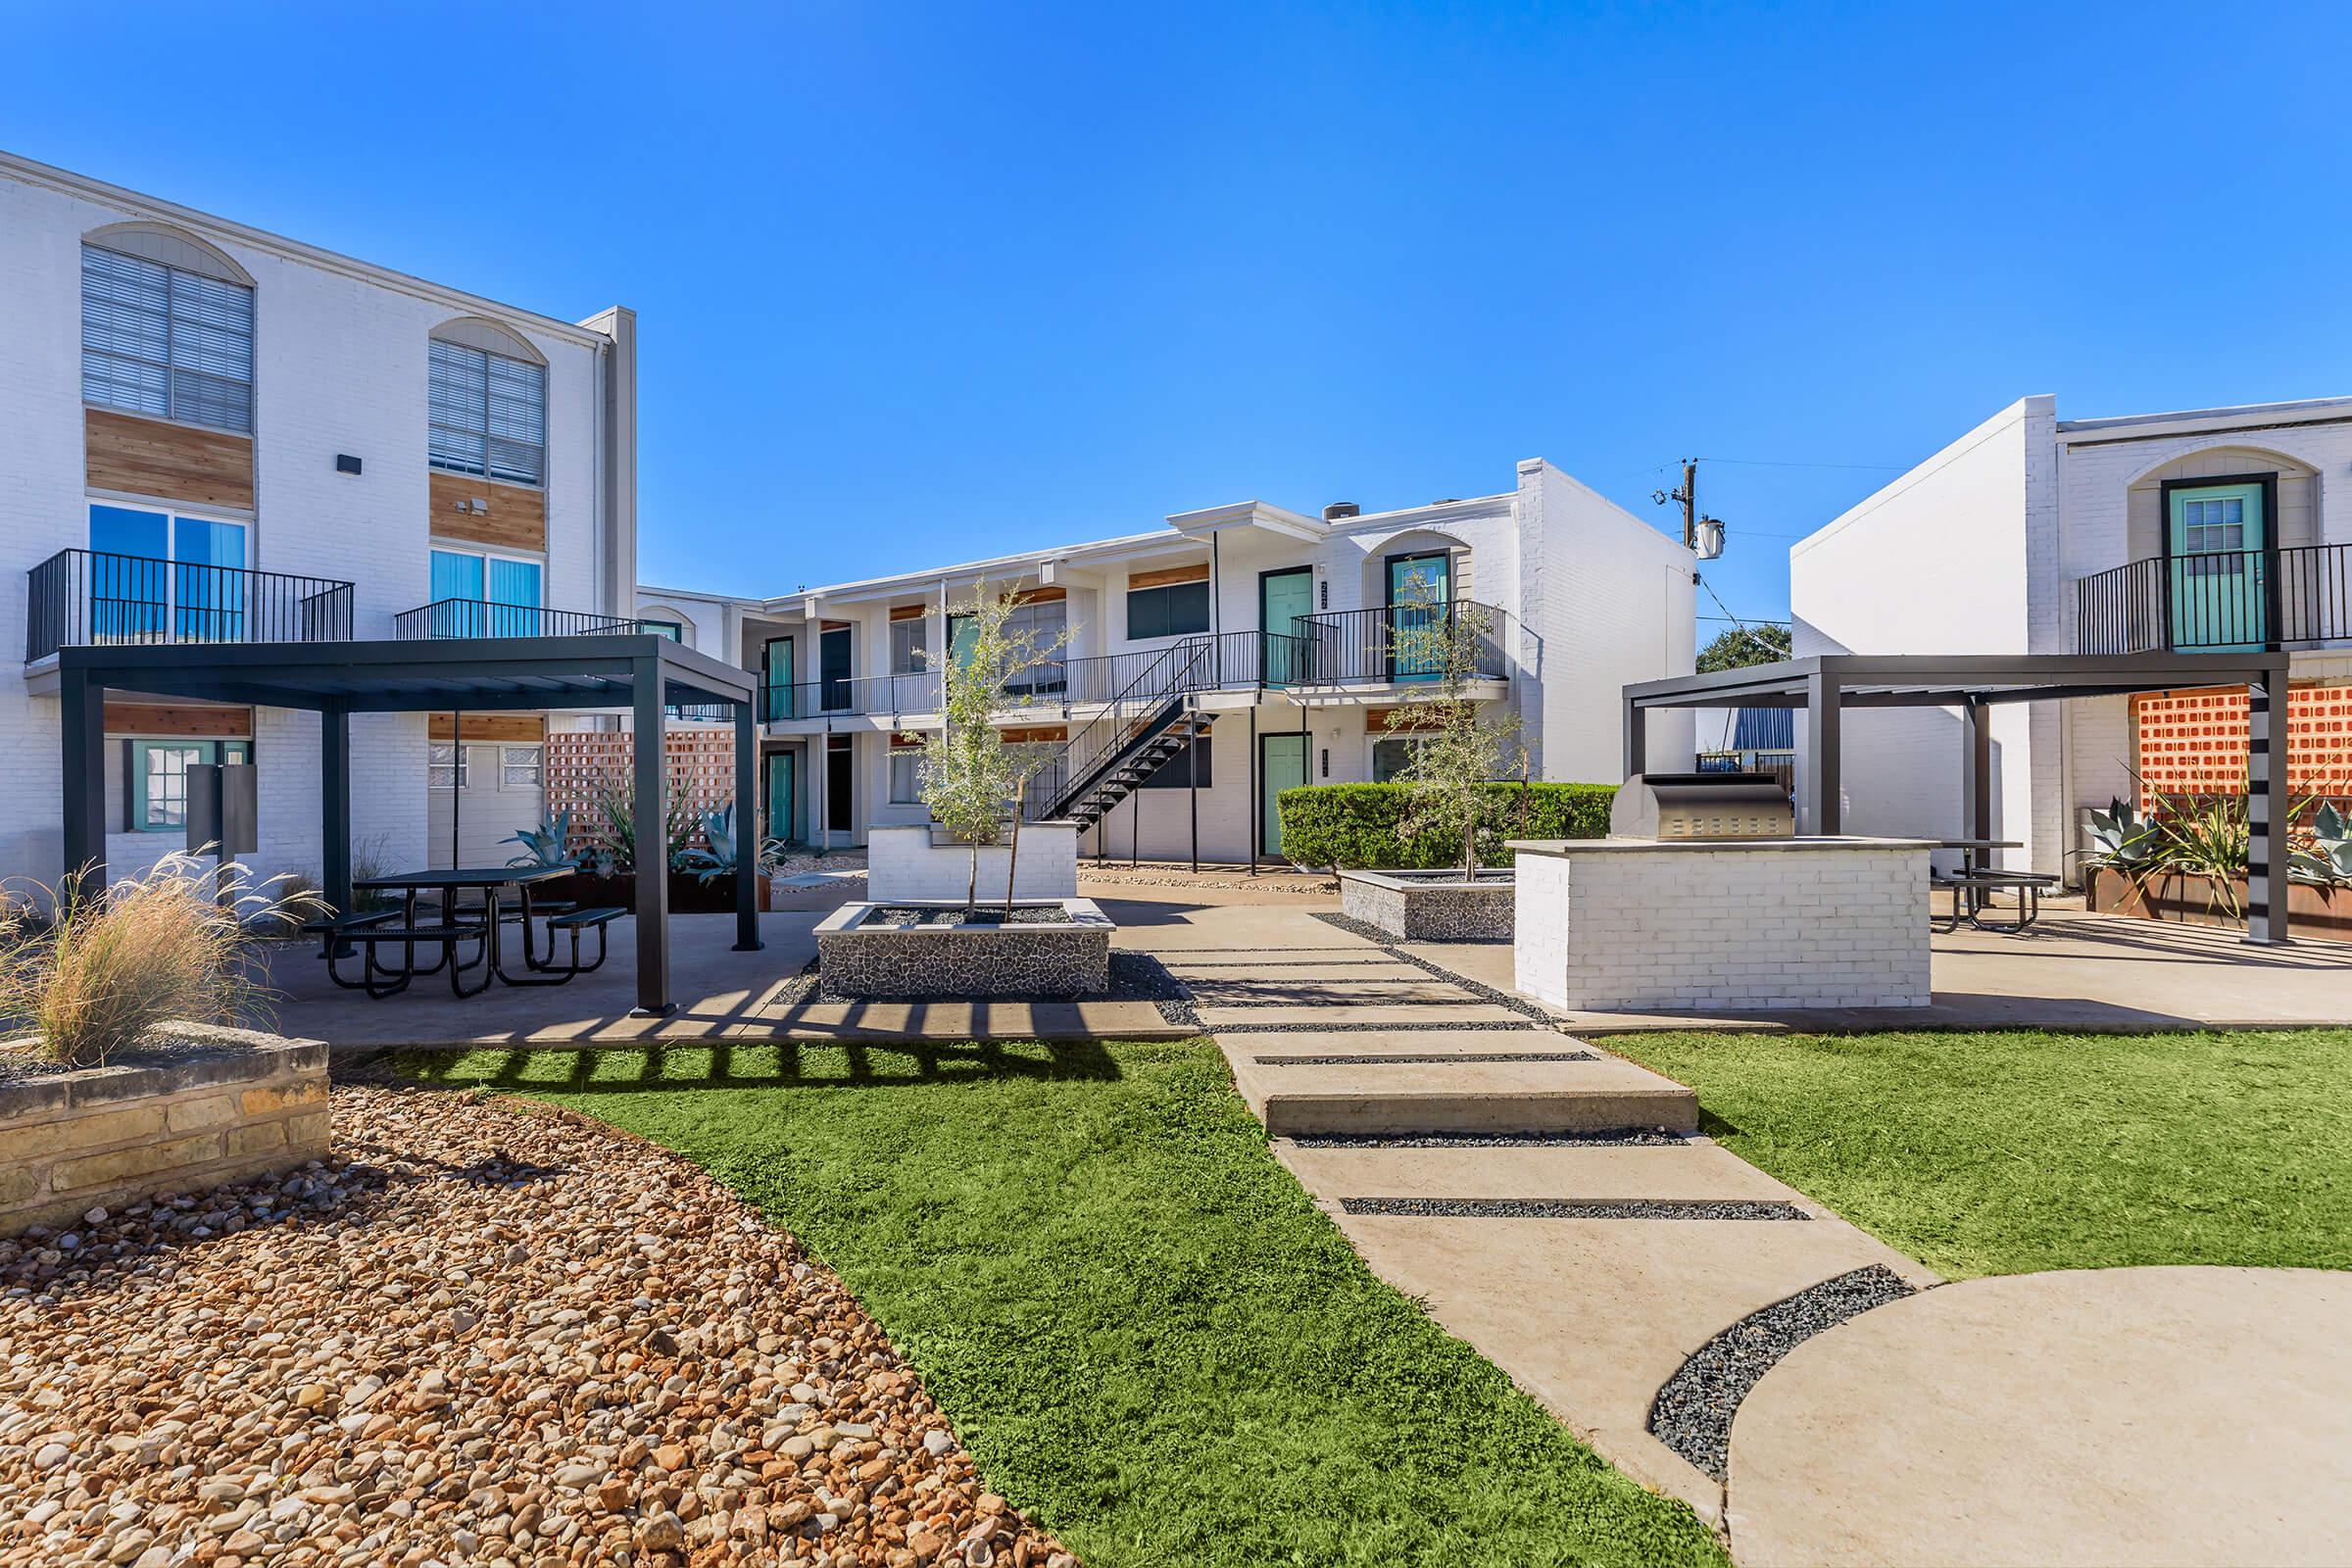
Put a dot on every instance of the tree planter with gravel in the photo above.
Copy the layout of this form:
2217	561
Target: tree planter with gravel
936	949
1431	905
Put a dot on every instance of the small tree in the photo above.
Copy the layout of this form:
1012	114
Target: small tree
969	775
1456	752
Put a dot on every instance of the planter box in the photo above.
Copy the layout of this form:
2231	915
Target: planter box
103	1137
907	863
2183	899
1431	905
1067	955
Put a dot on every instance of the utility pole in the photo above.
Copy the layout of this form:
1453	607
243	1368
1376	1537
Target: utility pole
1688	495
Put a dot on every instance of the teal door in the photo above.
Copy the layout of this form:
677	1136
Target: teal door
1281	765
783	802
2219	539
1420	588
777	701
1285	599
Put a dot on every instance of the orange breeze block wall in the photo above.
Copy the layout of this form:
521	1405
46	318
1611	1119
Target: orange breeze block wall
2195	742
583	765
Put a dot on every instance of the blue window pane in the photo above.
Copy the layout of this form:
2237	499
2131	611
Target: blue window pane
123	532
456	576
514	599
128	578
208	584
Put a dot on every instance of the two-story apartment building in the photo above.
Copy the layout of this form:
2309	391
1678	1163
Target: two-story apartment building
2207	530
212	434
1235	651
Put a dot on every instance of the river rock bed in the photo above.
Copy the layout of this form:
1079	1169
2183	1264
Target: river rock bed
483	1332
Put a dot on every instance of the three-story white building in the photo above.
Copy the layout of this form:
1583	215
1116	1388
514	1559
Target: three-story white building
211	434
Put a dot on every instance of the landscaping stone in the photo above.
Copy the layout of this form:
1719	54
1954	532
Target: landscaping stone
477	1332
900	950
1435	906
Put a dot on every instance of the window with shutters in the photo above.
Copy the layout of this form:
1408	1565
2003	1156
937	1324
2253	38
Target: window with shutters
169	343
489	414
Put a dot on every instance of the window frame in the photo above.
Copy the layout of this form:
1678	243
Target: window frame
137	808
913	757
486	556
916	661
536	754
172	412
1165	598
436	356
438	757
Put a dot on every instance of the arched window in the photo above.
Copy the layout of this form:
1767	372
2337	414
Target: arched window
166	328
488	403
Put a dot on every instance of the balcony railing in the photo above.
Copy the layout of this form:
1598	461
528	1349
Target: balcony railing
2216	601
473	618
82	597
1394	642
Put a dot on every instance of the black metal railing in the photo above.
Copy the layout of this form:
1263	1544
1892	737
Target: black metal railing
1404	642
1150	699
474	617
2214	599
82	597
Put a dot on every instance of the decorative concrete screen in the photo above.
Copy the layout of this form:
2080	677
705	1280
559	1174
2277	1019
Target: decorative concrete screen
906	863
1710	926
581	765
2195	742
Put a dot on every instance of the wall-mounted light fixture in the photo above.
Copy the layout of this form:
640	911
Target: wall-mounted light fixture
345	462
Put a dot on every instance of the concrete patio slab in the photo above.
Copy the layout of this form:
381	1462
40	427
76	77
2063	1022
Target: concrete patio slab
1590	1316
2173	1415
1692	1171
1483	1097
1392	1014
1291	1042
1299	990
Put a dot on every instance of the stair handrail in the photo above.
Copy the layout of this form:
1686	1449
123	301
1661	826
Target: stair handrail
1073	777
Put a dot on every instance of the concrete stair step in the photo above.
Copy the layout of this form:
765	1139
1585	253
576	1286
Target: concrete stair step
1387	1014
1696	1171
1606	1093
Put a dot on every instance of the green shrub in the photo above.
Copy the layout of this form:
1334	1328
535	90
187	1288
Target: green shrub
1355	825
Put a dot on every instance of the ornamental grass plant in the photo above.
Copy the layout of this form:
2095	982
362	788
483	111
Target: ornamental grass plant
96	971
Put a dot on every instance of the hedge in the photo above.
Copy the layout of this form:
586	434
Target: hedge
1357	824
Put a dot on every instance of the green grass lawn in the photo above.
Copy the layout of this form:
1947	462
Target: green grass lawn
1141	1326
1996	1153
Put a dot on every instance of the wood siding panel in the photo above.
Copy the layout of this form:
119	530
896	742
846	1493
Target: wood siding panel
908	612
1167	576
516	518
515	729
169	462
178	718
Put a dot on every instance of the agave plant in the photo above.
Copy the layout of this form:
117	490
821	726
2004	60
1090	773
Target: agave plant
547	845
2328	863
2123	840
717	862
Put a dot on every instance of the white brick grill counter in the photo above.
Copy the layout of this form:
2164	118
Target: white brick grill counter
1712	925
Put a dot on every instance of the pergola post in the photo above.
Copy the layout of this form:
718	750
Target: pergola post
334	807
81	706
1818	813
1637	738
746	831
649	763
2265	812
1976	783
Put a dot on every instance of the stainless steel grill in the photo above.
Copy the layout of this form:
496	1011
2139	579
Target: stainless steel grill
1703	806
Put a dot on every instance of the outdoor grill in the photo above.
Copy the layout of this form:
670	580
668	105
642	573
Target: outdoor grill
1703	806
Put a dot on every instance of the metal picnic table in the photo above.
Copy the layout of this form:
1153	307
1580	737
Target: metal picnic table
455	925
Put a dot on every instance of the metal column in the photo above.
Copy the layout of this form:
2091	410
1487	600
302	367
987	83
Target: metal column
1817	810
81	704
1636	739
746	831
2266	808
334	808
1976	783
651	804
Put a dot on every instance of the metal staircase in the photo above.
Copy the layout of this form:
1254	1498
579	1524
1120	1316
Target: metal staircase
1150	721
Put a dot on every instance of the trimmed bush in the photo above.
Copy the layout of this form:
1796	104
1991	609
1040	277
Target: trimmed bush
1355	825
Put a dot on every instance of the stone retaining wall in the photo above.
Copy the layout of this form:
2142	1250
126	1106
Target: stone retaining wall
108	1136
1070	958
1430	906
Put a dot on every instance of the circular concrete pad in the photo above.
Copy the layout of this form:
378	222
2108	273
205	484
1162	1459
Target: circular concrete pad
2140	1415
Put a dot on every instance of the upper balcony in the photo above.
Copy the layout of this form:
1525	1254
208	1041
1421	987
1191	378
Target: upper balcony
474	618
1341	648
86	597
2218	601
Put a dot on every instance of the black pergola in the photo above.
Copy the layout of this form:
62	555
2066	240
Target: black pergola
1827	684
638	671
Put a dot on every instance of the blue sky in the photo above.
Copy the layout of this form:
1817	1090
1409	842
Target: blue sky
919	283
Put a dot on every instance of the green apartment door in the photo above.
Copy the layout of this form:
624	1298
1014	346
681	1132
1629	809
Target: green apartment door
777	701
2218	536
1420	589
783	796
1281	765
1284	600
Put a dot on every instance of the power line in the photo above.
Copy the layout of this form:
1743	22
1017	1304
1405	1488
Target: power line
1748	621
1777	462
1759	642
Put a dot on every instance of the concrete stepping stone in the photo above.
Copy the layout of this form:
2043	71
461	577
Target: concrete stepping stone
1531	1039
1457	1095
2140	1415
1590	1316
1292	991
1383	1015
1689	1172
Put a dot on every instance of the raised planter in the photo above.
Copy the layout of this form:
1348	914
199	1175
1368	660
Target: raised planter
1431	905
1054	948
919	862
2185	899
219	1106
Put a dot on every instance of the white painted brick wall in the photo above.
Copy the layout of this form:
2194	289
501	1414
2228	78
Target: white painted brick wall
902	862
339	367
1708	930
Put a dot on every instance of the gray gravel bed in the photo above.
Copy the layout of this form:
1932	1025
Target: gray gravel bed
1484	992
1627	1137
1571	1208
900	917
1447	1056
1693	1410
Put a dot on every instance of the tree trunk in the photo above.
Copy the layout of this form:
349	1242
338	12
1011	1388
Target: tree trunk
1012	851
971	885
1470	815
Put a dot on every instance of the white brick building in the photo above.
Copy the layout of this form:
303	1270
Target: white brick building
2208	530
211	431
1263	626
